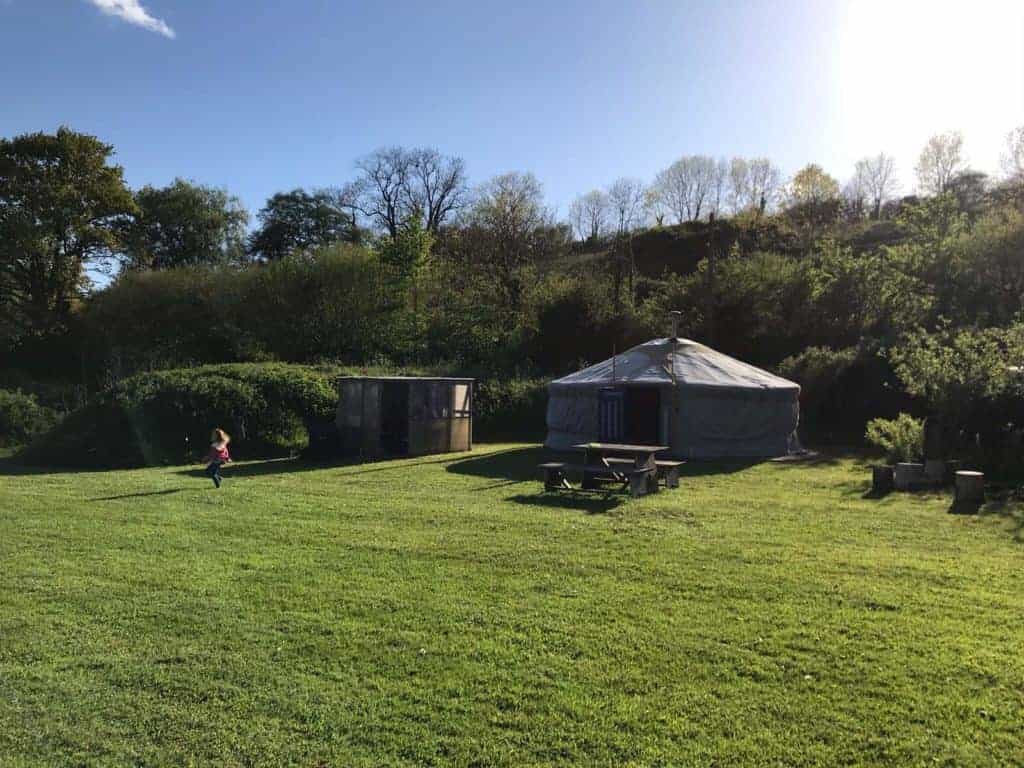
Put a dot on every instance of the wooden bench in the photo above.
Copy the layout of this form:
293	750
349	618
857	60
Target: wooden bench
639	480
554	475
667	470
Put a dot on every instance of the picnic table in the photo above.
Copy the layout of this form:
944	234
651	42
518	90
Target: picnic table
635	466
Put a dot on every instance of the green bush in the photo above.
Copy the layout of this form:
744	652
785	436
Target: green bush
22	417
901	438
515	409
97	436
166	416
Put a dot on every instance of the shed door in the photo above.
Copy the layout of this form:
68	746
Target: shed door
394	418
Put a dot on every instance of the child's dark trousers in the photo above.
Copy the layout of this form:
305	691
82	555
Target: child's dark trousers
213	472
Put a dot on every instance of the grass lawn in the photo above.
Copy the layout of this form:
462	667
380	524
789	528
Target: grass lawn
443	611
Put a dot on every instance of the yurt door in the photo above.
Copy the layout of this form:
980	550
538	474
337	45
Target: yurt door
610	407
643	415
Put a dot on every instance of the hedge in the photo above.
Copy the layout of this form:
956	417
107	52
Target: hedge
165	417
22	417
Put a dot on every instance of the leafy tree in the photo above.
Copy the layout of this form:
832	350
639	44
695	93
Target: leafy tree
184	224
507	230
298	221
940	160
405	255
61	203
812	185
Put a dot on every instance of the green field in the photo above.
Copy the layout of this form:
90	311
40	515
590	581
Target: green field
443	611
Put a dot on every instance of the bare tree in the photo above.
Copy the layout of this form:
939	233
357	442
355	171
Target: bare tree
765	182
719	182
672	189
626	198
380	192
654	206
589	214
1013	157
739	184
940	161
687	186
876	179
395	183
436	185
855	196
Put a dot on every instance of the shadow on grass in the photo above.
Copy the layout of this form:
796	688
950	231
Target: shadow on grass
1008	507
515	465
167	492
577	501
286	466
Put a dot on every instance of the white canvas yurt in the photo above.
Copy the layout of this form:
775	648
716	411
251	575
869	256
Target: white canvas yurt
679	393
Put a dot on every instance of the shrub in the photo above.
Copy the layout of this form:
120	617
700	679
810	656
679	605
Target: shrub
166	417
901	438
510	410
841	389
22	417
97	436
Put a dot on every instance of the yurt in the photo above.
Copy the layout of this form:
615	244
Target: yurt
679	393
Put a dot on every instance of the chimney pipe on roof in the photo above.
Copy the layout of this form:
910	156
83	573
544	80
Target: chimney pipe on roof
676	314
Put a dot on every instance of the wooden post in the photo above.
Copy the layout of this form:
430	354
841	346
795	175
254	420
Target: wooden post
881	478
970	486
908	476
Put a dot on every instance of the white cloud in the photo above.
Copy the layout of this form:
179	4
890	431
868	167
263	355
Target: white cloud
133	12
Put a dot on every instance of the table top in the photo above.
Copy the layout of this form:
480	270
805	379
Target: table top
621	447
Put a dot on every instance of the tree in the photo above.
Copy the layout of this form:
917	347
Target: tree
876	178
436	186
626	199
395	182
970	188
812	185
507	229
654	206
300	220
718	186
940	160
184	224
589	214
406	255
61	205
685	186
765	180
1013	158
739	184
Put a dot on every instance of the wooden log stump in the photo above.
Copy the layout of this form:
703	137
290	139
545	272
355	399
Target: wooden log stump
881	478
908	476
970	486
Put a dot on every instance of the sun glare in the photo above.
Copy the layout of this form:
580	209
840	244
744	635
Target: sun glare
913	69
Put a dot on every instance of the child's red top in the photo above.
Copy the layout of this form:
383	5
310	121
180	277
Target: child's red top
219	453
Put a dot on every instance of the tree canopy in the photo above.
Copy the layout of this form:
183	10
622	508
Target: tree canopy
61	207
184	224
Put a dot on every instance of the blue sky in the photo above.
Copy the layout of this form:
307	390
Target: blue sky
259	97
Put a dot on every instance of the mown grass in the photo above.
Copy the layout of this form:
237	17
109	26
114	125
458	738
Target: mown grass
442	611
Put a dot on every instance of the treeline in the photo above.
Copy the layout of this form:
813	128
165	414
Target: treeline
856	293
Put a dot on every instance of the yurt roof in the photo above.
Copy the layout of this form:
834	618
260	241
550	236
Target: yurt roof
679	362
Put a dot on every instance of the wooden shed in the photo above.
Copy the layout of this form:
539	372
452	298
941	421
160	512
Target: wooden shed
382	416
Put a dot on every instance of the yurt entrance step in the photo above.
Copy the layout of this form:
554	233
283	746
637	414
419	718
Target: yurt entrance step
629	415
